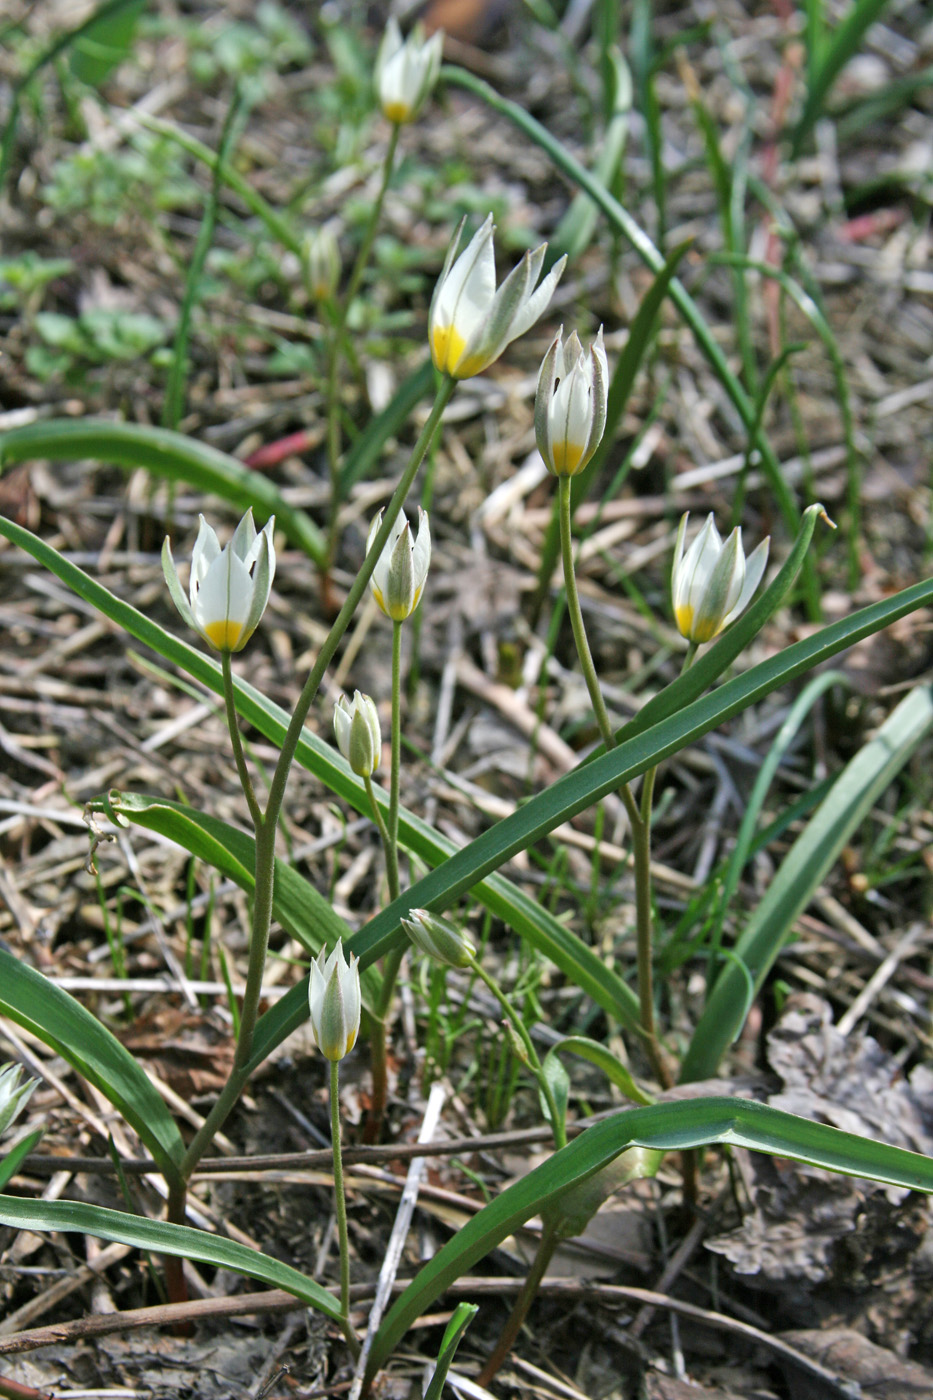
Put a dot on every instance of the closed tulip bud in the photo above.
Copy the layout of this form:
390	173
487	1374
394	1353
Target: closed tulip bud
359	737
570	405
406	71
712	583
439	938
228	588
15	1092
322	261
397	581
334	1002
470	323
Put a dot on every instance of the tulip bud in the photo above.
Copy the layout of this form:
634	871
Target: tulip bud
571	402
359	737
15	1093
322	261
470	323
398	579
406	71
229	587
334	1002
713	582
439	938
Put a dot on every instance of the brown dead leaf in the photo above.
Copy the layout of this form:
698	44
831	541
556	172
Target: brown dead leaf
853	1357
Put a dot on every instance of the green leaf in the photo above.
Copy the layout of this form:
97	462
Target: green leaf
62	1023
803	868
105	42
370	444
663	1127
11	1162
166	454
163	1238
603	1059
296	904
829	55
453	1332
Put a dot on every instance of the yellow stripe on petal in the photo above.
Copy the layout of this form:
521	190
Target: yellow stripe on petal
377	594
567	457
684	618
223	635
447	347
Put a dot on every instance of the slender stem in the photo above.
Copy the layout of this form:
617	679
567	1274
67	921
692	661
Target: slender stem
639	817
543	1256
236	740
558	1126
395	779
340	1199
362	257
378	818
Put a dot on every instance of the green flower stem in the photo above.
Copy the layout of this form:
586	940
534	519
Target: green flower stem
543	1255
337	331
378	818
639	817
340	1198
558	1127
265	831
395	779
236	740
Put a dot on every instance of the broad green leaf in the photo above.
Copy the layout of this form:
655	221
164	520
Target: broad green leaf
859	785
167	454
662	1127
603	1059
62	1023
296	904
105	42
164	1238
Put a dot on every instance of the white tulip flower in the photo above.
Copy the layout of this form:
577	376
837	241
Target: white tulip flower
712	583
322	260
439	938
334	1002
359	737
406	71
470	323
228	588
397	581
571	402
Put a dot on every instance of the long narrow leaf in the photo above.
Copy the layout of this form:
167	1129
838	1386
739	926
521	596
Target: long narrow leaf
166	454
664	1127
831	55
62	1023
163	1238
806	864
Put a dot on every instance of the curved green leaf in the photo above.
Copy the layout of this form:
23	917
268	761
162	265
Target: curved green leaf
597	1054
11	1162
664	1127
168	454
805	865
163	1238
62	1023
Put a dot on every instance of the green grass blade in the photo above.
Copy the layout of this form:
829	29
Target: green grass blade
162	1238
575	230
296	904
453	1333
666	1127
598	1055
523	914
745	839
834	52
622	221
165	454
369	446
806	864
62	1023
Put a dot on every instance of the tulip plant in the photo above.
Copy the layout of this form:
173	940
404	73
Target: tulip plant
720	601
